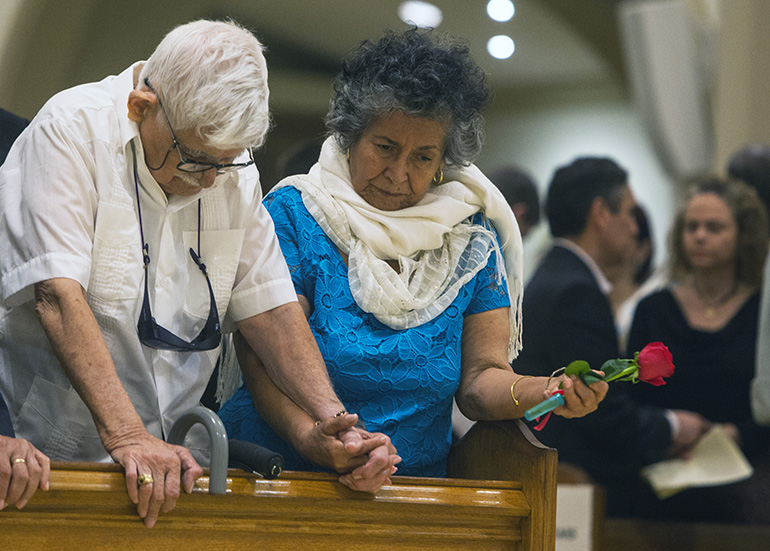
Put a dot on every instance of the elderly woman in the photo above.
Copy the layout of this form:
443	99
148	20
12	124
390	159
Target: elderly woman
407	261
708	319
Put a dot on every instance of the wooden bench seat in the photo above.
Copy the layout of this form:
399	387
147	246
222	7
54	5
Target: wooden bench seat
88	508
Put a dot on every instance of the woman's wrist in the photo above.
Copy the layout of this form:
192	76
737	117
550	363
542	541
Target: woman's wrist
359	422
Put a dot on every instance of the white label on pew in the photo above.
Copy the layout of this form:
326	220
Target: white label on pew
574	517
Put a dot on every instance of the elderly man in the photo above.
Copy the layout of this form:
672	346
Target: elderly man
567	315
131	226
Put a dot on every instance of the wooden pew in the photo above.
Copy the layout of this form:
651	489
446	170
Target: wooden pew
507	450
88	508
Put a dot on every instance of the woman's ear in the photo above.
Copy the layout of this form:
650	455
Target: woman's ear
141	104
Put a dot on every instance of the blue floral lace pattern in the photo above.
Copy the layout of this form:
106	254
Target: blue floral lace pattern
399	382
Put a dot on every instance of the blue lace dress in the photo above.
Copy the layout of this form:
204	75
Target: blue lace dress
400	383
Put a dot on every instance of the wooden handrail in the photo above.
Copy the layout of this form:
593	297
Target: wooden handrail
87	508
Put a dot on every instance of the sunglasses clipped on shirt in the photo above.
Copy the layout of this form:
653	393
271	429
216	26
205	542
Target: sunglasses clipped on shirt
154	335
151	333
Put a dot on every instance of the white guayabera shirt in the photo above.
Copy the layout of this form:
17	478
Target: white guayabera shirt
68	208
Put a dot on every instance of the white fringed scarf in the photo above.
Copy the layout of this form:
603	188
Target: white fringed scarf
437	249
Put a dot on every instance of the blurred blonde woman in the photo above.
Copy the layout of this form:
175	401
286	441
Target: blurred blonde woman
708	318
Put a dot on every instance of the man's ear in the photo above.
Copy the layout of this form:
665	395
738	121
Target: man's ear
599	213
141	104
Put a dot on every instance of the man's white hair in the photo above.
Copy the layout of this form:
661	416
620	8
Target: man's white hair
212	78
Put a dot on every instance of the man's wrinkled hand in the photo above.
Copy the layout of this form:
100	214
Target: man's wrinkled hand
155	473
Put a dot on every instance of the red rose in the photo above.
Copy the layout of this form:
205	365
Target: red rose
655	362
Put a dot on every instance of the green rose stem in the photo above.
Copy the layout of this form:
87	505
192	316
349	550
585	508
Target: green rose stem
657	366
631	371
614	370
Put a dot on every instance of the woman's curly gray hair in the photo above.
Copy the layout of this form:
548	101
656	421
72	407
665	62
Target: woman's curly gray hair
419	73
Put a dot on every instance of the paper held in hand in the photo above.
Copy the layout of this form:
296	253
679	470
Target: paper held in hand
716	460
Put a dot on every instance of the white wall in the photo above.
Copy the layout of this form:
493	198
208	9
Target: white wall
542	131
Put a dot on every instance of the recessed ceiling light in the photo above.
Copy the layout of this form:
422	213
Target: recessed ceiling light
500	10
501	46
422	14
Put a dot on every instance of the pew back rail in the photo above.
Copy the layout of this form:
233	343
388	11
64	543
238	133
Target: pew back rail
88	504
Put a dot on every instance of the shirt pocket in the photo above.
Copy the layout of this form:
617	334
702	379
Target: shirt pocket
116	261
221	252
58	422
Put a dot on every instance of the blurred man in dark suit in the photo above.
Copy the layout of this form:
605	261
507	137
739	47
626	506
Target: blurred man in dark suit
567	315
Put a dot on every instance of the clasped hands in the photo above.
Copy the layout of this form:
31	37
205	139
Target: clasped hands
364	460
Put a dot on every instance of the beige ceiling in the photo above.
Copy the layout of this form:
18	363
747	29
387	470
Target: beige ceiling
51	44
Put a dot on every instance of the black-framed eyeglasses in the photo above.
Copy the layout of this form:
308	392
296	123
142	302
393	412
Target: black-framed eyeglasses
155	335
190	165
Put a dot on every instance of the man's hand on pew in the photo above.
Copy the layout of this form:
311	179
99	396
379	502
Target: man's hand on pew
154	472
23	469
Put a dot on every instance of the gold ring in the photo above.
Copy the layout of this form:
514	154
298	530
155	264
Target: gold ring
144	479
19	460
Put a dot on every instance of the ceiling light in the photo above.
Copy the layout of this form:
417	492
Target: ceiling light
500	10
422	14
501	46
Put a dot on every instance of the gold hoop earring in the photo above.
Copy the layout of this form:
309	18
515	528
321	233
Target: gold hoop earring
438	181
347	154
